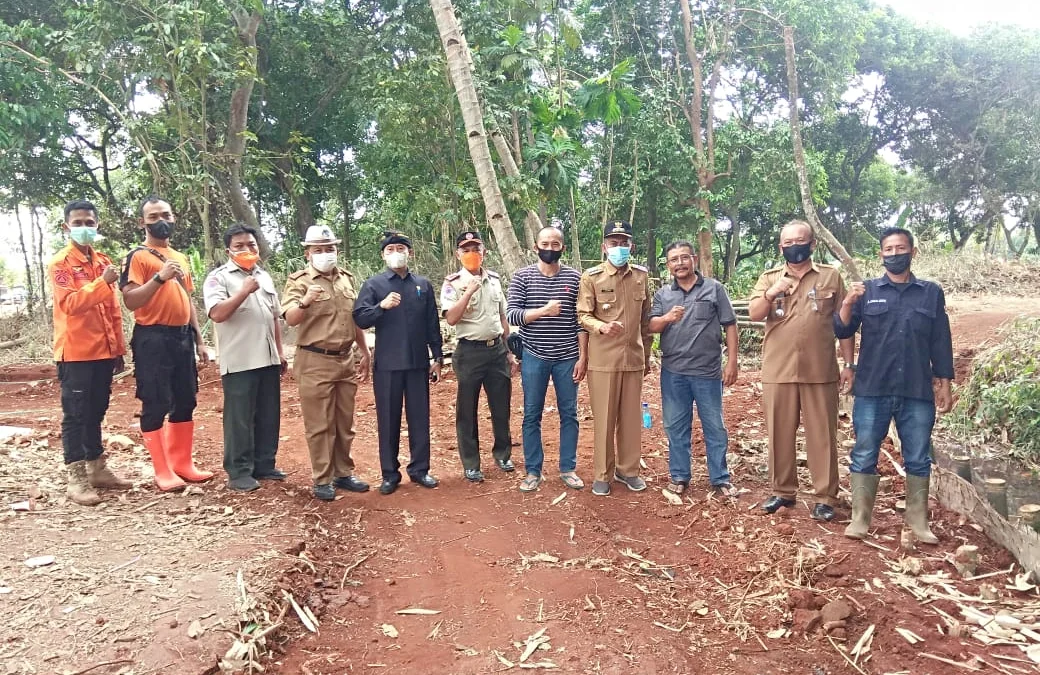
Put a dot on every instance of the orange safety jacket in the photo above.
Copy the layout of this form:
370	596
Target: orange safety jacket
88	323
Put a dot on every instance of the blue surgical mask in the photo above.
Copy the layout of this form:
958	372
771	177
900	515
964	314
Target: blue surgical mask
84	236
619	255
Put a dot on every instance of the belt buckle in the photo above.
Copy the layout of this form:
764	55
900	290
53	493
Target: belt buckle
489	343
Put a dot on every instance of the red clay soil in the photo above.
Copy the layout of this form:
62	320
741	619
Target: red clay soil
621	584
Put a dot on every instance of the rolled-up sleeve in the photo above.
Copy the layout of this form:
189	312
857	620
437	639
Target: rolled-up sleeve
942	340
843	331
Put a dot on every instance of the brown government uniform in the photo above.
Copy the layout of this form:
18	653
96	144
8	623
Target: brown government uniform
616	363
800	375
327	381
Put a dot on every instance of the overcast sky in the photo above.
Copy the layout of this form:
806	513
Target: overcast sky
960	16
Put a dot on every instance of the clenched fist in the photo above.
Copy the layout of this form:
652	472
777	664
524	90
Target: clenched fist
390	301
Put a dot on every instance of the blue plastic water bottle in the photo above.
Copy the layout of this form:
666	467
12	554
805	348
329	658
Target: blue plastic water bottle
647	420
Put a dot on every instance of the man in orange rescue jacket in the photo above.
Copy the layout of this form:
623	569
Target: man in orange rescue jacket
88	349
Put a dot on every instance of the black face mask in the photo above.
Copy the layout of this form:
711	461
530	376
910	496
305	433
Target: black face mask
796	253
549	256
160	229
896	264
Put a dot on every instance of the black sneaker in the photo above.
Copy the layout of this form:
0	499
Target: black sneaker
506	465
243	484
325	493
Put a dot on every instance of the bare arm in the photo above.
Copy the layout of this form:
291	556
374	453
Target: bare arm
454	314
222	311
135	297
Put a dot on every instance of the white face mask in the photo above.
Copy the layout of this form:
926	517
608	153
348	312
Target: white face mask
396	260
323	262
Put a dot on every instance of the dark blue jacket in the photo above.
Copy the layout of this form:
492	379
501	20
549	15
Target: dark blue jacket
407	335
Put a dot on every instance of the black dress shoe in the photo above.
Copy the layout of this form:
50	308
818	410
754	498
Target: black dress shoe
273	474
325	493
351	484
824	512
774	504
388	487
474	475
426	480
505	464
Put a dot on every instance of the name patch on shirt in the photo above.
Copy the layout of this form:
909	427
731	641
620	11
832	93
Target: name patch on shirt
876	300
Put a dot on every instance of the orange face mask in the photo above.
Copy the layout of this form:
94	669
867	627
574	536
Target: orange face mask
245	259
471	260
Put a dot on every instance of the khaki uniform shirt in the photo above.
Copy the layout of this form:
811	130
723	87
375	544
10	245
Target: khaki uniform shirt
328	323
607	294
799	343
482	319
246	339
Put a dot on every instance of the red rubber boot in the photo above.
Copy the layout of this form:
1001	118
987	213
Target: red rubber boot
179	437
165	478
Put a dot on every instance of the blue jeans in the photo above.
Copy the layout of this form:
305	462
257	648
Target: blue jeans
678	395
914	418
535	374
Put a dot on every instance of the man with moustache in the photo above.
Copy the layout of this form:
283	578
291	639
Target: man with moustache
242	302
800	375
88	350
402	308
543	302
157	285
691	313
904	348
319	301
473	302
614	307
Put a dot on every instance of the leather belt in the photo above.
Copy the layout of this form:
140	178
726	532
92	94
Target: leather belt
483	343
319	350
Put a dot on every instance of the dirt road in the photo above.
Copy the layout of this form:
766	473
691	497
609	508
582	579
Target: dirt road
624	584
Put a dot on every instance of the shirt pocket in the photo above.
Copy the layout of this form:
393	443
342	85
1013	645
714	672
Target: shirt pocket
825	304
703	310
875	316
608	307
921	320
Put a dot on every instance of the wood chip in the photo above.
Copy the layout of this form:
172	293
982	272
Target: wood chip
672	497
40	561
389	630
419	611
965	666
563	495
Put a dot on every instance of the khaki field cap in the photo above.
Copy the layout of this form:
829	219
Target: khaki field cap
319	235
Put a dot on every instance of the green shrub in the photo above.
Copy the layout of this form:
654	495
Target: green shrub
1000	402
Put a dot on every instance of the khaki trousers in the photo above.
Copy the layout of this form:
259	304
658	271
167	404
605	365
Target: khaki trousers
818	406
615	399
327	389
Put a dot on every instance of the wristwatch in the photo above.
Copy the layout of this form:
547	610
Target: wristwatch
851	366
158	279
302	306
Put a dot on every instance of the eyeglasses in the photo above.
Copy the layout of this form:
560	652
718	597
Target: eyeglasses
685	257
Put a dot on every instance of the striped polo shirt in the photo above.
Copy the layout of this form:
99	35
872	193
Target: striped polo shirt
552	338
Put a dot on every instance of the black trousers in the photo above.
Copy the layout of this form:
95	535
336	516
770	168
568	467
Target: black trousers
478	366
167	377
413	387
85	389
252	419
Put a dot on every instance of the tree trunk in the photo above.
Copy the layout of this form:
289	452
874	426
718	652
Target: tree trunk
235	144
733	251
651	234
799	159
575	235
532	221
30	296
41	269
303	215
457	54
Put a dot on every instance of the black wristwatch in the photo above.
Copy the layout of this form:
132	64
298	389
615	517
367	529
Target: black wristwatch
301	305
851	366
158	279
